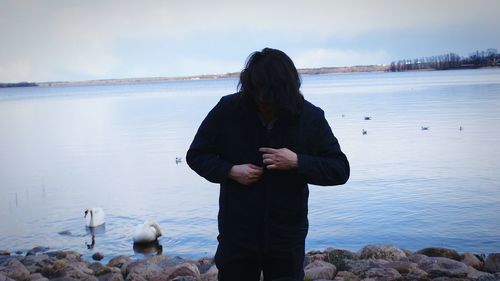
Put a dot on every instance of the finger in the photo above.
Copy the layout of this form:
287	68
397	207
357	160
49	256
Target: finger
268	161
267	150
272	167
254	167
265	156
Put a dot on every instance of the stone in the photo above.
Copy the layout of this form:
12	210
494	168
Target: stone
184	269
417	274
472	260
35	263
110	277
346	275
145	269
64	279
36	276
440	252
14	269
5	278
99	269
492	263
320	270
53	270
315	257
338	257
403	267
97	256
489	278
134	277
359	266
475	274
204	264
382	274
184	278
211	274
37	250
118	261
416	258
4	253
386	252
443	267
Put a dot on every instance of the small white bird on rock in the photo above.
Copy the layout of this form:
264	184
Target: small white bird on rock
147	232
96	217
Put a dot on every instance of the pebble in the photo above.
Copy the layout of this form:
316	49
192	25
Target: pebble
372	262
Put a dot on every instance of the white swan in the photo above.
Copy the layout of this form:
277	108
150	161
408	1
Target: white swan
96	217
147	232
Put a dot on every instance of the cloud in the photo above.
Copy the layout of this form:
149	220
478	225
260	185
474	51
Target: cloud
73	40
319	57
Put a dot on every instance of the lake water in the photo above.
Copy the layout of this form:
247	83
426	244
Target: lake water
64	149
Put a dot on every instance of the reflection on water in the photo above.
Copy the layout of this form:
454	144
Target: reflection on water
121	148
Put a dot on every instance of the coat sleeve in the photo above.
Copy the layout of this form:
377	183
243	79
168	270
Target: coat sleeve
327	164
203	156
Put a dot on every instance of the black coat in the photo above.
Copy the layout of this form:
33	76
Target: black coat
270	214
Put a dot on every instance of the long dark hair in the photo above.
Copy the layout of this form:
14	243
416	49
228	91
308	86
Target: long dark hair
271	76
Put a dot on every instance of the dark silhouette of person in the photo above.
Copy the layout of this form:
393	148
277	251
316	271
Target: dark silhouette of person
264	145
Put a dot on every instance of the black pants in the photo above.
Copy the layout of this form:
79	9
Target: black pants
289	267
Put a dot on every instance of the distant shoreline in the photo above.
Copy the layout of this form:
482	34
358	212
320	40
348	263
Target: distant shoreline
144	80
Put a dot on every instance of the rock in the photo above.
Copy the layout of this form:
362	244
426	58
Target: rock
386	252
472	260
443	267
417	274
37	277
64	232
70	256
118	261
338	257
416	258
320	270
35	263
145	269
97	256
475	274
64	279
382	274
37	250
110	277
346	275
14	269
403	267
492	263
5	278
440	252
359	266
315	257
184	270
99	269
489	278
134	277
4	253
53	270
204	264
184	278
211	274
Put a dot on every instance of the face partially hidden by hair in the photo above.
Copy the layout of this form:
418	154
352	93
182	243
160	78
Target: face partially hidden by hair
270	84
264	106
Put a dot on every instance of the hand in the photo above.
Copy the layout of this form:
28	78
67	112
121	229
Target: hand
245	174
279	159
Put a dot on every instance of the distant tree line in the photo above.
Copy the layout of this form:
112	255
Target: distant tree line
20	84
490	57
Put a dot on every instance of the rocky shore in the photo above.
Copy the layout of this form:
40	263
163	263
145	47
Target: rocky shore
372	262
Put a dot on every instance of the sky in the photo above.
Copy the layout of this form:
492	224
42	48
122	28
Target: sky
74	40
